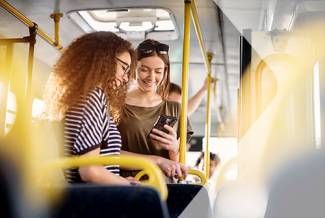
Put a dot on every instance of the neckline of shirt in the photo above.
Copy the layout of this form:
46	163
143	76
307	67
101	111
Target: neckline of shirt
136	106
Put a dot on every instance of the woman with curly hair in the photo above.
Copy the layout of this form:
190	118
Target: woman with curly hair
87	90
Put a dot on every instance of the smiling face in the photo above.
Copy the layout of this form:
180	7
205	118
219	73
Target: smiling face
123	62
150	73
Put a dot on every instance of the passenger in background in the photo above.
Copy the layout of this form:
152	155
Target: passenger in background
87	90
214	162
175	94
144	104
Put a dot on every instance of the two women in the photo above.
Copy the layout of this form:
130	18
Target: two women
89	91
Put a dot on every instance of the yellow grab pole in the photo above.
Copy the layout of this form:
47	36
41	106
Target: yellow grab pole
199	174
208	120
56	17
198	32
12	10
20	16
156	179
207	61
185	70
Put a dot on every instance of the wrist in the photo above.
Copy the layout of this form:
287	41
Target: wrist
173	152
174	155
155	159
174	149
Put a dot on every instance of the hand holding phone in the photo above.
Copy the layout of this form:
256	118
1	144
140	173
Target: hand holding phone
165	120
165	137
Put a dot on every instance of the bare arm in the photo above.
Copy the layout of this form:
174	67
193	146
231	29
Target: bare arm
195	100
98	174
153	158
174	155
169	167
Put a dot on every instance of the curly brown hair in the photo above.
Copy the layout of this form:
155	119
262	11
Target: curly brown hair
87	63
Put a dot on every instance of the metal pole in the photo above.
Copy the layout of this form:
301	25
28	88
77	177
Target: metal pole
4	89
20	16
56	17
7	41
208	120
185	70
197	28
32	32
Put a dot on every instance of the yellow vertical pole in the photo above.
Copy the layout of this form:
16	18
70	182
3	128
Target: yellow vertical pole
208	119
56	17
197	28
185	70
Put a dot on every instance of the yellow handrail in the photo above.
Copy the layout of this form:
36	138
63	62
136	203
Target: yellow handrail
140	174
20	16
56	17
208	121
199	174
185	69
191	171
190	7
155	180
197	28
207	61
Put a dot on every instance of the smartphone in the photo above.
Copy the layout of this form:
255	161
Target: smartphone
165	120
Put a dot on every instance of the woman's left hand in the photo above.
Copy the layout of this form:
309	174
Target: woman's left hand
167	141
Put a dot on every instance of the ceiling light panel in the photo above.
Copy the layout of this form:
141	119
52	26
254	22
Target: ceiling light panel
123	21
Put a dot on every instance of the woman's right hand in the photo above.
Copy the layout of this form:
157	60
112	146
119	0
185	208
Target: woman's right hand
162	140
213	82
172	168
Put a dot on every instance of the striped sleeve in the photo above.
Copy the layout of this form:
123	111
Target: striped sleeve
92	124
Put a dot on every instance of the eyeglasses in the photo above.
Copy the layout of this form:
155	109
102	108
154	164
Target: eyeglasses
147	49
125	66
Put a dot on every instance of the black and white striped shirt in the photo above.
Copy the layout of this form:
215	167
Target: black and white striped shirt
87	127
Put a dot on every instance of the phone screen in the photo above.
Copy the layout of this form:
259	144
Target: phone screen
163	120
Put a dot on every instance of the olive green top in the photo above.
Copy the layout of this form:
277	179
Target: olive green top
137	122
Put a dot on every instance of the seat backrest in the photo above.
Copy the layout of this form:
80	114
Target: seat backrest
6	195
12	203
297	188
94	201
188	200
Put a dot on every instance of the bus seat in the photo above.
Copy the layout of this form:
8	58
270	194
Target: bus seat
297	188
96	201
7	203
12	204
188	200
